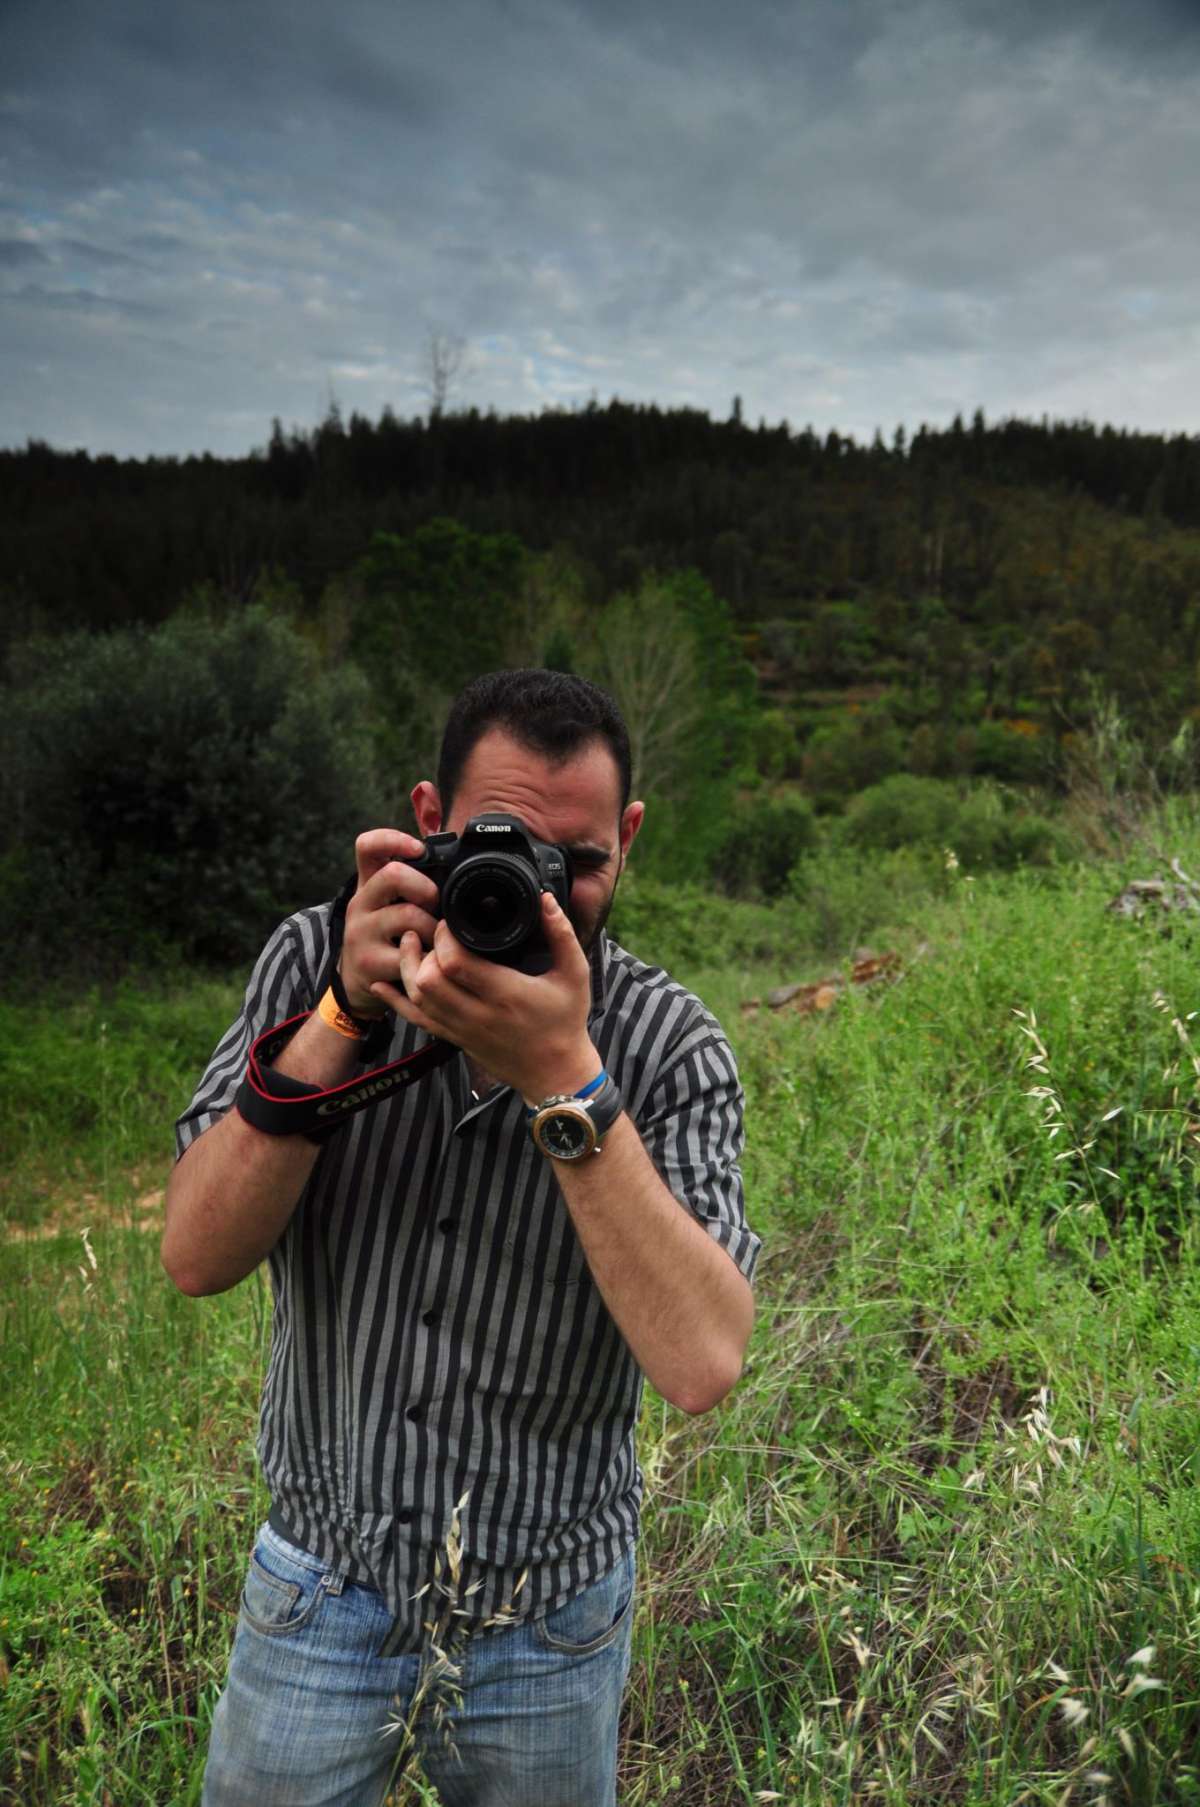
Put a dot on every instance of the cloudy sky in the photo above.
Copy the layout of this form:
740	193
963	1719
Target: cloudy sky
848	212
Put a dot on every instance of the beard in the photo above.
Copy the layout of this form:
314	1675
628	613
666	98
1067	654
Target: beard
588	929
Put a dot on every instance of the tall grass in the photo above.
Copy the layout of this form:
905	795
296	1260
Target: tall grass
942	1542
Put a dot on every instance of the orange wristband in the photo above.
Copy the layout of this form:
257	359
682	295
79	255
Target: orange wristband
331	1012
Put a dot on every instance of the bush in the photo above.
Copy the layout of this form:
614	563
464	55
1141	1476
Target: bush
844	895
841	759
1014	752
986	826
762	845
177	790
902	811
685	928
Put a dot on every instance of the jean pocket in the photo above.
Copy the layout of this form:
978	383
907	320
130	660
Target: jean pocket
590	1620
280	1596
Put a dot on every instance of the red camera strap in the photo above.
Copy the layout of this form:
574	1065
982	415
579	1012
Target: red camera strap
283	1106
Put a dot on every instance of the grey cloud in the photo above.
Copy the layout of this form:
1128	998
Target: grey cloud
98	254
86	302
15	253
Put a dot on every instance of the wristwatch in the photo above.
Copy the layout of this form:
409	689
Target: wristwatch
568	1126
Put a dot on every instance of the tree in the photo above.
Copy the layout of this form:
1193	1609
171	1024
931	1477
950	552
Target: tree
444	355
432	609
670	656
182	787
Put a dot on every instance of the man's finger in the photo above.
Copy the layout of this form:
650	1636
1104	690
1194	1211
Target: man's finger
460	966
412	953
374	848
396	882
560	933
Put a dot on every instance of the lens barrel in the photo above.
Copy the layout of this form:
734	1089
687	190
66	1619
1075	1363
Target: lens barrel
492	902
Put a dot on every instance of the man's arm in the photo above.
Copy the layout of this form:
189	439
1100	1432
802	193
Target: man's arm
675	1294
232	1193
678	1300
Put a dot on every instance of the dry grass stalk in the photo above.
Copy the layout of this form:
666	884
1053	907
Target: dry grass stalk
448	1630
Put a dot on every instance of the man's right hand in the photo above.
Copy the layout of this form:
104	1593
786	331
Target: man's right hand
391	899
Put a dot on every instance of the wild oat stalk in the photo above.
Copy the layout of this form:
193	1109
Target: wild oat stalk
447	1631
1108	1711
1056	1119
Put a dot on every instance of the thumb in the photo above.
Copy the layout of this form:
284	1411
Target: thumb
560	933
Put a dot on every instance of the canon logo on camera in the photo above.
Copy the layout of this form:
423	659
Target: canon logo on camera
492	828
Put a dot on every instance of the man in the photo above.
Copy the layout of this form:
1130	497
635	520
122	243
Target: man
462	1319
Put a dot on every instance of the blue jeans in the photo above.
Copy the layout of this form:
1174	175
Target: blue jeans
311	1716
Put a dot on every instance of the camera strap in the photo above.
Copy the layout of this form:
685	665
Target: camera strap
283	1106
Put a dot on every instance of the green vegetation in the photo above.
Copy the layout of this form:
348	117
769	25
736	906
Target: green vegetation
942	1542
175	790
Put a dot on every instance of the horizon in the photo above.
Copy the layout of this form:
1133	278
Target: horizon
795	430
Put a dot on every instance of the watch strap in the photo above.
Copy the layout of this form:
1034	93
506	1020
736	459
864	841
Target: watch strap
599	1098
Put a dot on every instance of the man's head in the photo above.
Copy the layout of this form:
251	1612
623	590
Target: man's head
552	713
552	749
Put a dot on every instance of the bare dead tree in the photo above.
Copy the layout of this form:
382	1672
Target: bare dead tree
444	355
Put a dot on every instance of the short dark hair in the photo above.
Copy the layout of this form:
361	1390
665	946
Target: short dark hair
553	713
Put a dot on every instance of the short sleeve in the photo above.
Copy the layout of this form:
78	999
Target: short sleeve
281	986
691	1124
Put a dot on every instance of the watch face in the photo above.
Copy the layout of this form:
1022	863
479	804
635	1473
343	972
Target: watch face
566	1134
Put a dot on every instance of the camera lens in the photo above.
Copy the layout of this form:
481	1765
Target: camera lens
491	903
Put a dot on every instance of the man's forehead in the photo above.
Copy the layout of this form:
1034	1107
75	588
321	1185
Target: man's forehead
575	800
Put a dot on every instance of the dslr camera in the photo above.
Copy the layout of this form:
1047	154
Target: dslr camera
490	880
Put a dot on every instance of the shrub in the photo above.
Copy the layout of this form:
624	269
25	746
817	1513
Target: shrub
1014	752
902	811
762	845
844	757
844	895
684	927
175	789
985	826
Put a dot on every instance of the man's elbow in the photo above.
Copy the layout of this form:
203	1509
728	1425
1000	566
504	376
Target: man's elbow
702	1391
187	1277
182	1265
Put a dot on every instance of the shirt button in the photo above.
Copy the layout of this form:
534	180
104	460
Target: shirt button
414	1412
429	1317
404	1516
447	1224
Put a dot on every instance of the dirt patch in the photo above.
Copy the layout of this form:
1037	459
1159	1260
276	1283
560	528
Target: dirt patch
79	1211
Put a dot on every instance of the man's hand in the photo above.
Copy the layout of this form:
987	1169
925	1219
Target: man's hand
529	1031
392	899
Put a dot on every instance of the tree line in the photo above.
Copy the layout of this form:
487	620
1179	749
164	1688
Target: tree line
775	519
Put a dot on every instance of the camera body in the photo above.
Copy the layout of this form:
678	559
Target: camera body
490	880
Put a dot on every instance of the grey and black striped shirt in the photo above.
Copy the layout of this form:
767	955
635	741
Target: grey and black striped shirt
436	1330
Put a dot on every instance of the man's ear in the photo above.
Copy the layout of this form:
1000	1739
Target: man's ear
427	808
631	820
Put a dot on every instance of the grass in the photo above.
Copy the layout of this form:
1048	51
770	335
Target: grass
941	1544
87	1085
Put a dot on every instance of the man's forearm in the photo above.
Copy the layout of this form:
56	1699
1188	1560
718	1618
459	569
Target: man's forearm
676	1296
230	1196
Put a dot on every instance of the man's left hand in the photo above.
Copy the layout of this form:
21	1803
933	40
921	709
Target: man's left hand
528	1031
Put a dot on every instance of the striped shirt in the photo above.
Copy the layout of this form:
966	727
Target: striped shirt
436	1330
